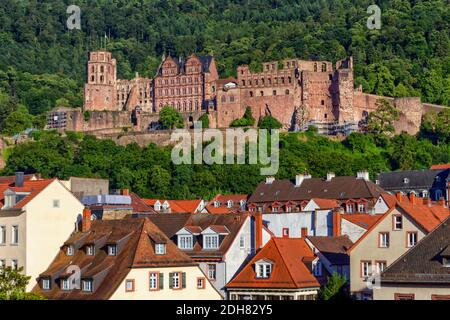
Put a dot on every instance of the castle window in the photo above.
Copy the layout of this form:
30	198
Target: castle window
287	91
92	69
262	81
262	93
330	76
231	98
251	93
315	67
256	82
92	78
101	79
190	90
322	102
243	83
269	80
274	92
289	79
102	69
282	80
324	67
196	105
223	99
325	115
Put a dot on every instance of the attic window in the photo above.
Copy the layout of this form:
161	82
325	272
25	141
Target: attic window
70	250
229	203
405	180
446	261
216	204
87	286
263	270
46	284
112	250
160	248
185	242
90	250
211	241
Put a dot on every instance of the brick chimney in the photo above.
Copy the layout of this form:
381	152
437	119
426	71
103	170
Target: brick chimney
336	223
441	202
412	198
426	201
86	222
125	192
258	230
270	179
18	181
330	176
299	178
304	232
399	196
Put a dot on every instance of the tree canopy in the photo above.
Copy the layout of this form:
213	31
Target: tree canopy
170	118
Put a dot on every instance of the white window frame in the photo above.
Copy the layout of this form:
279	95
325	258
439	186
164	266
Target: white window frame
176	280
361	207
160	248
210	241
112	250
65	284
383	239
15	235
87	286
350	206
185	242
229	203
157	206
2	235
396	222
14	264
70	251
263	270
129	282
90	250
366	269
378	267
416	236
153	281
46	284
212	272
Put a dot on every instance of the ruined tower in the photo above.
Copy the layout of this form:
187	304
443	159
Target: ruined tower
344	98
100	91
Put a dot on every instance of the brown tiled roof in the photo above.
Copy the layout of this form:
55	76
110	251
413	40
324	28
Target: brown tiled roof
139	205
423	262
232	222
339	188
289	257
333	248
136	250
326	203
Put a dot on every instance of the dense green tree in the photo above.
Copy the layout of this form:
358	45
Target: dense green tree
13	285
246	121
170	118
381	121
17	121
335	288
269	123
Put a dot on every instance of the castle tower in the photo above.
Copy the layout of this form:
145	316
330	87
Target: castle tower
100	91
345	83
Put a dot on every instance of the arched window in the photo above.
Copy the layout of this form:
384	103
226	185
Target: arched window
102	69
243	83
92	78
287	91
102	79
324	67
251	93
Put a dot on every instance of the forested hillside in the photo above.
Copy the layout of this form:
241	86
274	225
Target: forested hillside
150	172
41	61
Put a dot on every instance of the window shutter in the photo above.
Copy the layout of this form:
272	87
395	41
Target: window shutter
171	280
183	279
161	281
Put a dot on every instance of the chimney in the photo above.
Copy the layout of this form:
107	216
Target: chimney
426	201
300	177
18	182
125	192
258	230
86	222
304	232
363	175
399	196
441	202
336	223
412	198
270	179
330	175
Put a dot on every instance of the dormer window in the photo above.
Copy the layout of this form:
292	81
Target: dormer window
317	268
185	242
210	241
263	269
65	284
160	248
216	204
112	250
446	261
229	203
242	203
157	206
46	284
90	250
405	180
70	250
87	285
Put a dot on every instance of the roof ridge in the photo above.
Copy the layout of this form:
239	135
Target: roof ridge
284	261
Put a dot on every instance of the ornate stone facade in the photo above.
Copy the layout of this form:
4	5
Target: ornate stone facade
296	92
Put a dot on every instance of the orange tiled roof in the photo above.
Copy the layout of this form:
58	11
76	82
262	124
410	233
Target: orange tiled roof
34	187
362	220
326	203
440	166
288	256
177	206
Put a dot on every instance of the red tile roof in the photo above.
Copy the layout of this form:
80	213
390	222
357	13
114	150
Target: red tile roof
177	206
326	203
289	257
362	220
139	204
440	166
34	187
